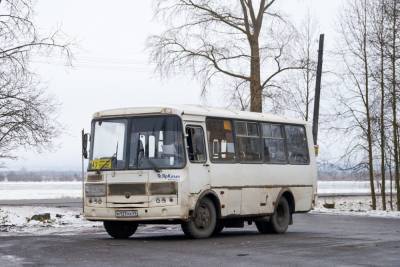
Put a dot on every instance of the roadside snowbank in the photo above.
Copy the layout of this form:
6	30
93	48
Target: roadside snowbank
355	206
62	220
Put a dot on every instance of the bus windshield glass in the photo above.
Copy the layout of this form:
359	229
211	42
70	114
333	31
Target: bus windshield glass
137	143
109	144
156	143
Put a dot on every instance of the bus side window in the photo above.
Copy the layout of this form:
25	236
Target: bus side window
196	144
297	144
221	145
248	140
274	143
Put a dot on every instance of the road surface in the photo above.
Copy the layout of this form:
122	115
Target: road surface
314	240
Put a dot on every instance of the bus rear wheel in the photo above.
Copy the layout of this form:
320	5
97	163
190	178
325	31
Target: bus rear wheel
203	222
278	222
119	229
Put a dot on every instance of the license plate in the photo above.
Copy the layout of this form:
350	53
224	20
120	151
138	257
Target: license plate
126	213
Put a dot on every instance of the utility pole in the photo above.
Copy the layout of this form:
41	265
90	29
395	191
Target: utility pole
318	88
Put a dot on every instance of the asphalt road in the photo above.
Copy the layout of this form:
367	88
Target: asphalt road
313	240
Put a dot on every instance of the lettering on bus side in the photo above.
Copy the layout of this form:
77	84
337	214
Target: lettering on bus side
169	177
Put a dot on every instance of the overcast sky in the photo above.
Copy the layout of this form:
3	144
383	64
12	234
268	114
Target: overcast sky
111	66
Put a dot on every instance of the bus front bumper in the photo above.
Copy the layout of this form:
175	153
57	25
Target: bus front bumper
143	214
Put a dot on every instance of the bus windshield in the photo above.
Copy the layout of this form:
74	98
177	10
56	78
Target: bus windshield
144	143
108	148
156	142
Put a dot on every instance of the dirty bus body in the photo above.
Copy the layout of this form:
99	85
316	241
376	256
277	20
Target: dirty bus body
201	167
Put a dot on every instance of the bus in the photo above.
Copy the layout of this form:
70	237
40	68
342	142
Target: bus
204	168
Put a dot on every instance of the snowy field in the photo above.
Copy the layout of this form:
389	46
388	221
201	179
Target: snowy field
39	190
326	188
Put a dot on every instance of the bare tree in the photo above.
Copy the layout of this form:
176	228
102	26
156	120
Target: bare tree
298	85
378	41
242	40
393	13
356	102
26	112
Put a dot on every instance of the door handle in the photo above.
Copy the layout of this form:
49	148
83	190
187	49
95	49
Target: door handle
206	165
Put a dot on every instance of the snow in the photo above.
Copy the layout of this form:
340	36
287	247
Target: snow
62	220
355	205
350	187
39	190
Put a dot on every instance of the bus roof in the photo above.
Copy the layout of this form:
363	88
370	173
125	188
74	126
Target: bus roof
195	110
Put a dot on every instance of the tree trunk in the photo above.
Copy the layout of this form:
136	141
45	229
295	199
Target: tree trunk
394	106
256	98
382	70
391	188
367	108
370	162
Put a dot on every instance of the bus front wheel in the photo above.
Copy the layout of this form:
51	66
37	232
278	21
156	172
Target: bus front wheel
120	229
278	222
203	222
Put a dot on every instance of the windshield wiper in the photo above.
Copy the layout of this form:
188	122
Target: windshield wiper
112	158
154	165
106	163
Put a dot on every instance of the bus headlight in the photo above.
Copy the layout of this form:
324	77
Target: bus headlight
95	190
169	188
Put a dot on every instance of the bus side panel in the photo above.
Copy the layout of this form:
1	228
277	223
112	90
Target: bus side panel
303	198
231	200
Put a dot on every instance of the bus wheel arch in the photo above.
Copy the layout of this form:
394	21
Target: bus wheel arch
213	197
288	195
203	219
278	222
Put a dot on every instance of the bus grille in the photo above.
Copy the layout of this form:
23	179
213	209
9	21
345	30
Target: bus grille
126	189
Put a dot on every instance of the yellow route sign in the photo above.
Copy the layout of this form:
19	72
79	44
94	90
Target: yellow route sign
97	164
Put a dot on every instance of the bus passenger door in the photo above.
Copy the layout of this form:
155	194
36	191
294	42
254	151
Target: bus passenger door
198	166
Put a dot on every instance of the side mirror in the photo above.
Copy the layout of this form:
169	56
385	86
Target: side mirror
85	138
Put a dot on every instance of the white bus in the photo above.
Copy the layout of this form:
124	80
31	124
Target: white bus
203	168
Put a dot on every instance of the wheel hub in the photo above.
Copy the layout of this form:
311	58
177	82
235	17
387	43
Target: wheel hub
203	217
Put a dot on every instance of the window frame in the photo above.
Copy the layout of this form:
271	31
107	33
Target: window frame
204	142
128	140
130	118
237	143
259	122
282	126
218	161
92	136
307	146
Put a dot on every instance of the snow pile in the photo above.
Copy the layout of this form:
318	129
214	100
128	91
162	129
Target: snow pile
61	220
358	206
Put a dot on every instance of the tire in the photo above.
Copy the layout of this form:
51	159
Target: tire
219	227
278	222
203	222
120	229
